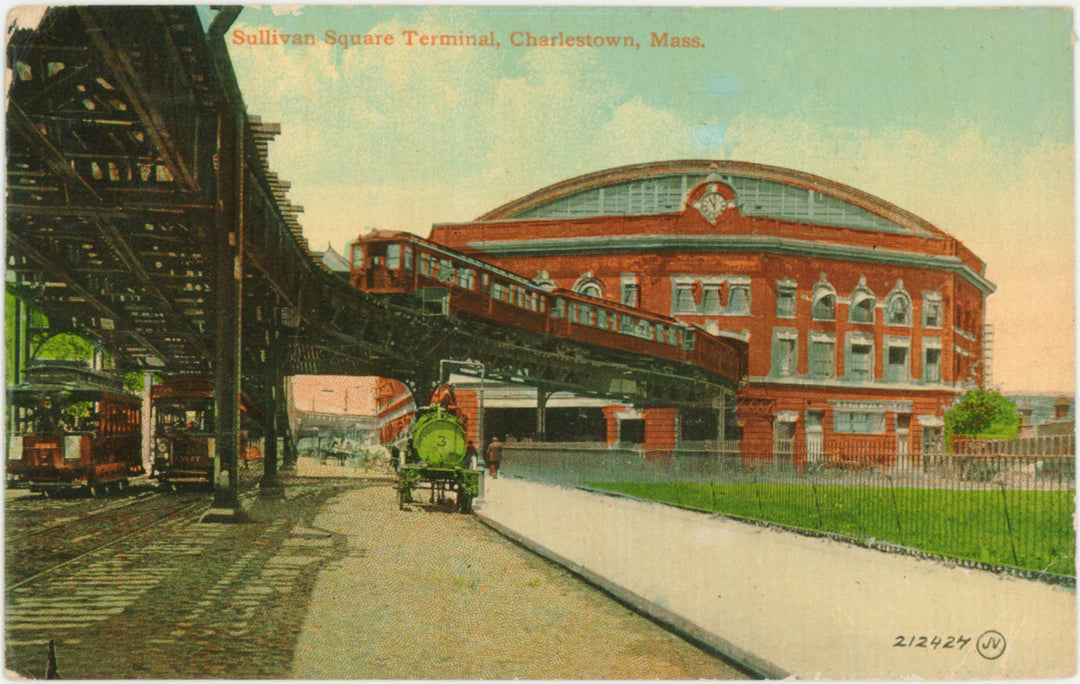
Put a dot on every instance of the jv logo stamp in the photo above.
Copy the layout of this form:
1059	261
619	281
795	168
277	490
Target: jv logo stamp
990	644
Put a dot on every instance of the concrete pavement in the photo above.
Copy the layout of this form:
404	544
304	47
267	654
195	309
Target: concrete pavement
796	605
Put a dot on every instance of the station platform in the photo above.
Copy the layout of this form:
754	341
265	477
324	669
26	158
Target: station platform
790	605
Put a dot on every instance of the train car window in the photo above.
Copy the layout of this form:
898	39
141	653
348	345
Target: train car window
601	319
688	338
393	256
585	314
673	337
659	333
521	298
644	329
497	291
446	271
466	277
357	256
407	262
558	309
425	265
484	281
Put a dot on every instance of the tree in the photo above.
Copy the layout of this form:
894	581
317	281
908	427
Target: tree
982	414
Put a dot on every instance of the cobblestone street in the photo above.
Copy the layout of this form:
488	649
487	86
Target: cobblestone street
334	582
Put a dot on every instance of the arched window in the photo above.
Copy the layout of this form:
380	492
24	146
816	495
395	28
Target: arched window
898	306
863	302
824	301
589	286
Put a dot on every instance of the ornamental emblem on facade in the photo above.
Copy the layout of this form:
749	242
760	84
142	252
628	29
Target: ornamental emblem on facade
712	204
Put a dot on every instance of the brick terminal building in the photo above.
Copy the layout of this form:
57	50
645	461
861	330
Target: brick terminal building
864	322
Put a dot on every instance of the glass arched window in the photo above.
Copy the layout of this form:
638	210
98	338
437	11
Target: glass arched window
589	286
898	306
863	302
898	310
824	301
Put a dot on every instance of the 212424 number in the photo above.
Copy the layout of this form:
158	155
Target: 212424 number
932	642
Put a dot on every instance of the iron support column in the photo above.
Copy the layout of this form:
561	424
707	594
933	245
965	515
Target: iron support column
229	279
542	396
270	486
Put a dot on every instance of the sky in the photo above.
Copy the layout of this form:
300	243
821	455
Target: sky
965	117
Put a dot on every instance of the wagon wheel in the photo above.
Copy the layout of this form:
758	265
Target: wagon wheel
464	499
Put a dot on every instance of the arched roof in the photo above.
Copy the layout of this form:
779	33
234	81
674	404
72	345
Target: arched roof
761	190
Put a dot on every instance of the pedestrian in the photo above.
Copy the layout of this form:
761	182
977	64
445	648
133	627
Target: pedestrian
470	455
494	454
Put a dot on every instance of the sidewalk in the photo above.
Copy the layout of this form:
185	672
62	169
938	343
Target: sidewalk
791	604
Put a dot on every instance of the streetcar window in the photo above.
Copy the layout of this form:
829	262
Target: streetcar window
626	324
659	333
408	258
393	256
425	265
497	291
601	319
673	337
357	255
484	282
465	277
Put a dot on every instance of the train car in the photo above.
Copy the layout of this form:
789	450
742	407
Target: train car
386	262
74	428
436	460
182	413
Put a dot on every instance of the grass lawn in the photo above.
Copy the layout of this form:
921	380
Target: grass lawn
1023	529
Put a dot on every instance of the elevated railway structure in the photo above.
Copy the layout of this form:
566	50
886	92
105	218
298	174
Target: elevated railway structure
142	214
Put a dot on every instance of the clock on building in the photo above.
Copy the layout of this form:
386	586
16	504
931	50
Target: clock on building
712	204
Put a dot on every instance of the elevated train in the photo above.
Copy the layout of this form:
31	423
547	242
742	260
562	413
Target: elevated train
387	262
74	428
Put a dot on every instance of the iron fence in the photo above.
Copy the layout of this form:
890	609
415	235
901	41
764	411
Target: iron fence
981	505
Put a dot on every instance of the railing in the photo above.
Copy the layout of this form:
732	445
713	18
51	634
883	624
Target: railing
1005	510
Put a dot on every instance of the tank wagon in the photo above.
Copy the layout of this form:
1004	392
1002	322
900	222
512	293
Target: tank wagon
436	460
74	428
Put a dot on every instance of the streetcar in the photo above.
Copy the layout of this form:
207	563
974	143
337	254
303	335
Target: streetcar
182	415
74	428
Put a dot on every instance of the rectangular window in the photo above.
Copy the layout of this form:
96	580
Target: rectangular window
859	422
425	265
630	294
896	364
684	300
822	358
601	319
931	314
932	364
785	357
497	291
738	300
860	361
358	255
785	302
393	256
465	278
408	258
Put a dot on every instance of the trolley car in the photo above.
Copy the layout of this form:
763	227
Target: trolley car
182	413
436	460
74	428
